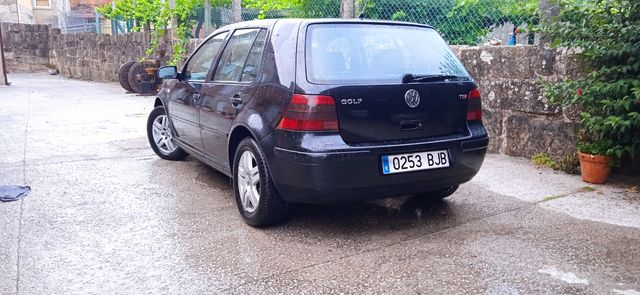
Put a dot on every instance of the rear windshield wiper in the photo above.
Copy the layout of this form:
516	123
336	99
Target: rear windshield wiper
425	78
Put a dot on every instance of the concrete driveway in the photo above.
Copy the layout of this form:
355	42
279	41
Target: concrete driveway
108	216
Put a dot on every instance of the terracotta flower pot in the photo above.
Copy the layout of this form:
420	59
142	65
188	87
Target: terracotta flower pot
594	168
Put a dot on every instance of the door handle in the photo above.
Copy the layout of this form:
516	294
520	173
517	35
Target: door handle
235	100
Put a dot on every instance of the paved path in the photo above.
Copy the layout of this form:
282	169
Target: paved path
107	216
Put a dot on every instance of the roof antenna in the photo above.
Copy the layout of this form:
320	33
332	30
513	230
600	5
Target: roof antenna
364	9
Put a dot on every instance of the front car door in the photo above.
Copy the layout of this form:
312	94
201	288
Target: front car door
184	100
233	84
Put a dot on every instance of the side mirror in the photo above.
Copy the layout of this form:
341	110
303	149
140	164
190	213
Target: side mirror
170	72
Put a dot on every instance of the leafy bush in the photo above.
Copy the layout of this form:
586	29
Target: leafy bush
606	35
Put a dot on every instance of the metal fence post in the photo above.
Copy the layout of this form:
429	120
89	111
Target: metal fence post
98	24
3	68
236	11
548	11
347	9
207	18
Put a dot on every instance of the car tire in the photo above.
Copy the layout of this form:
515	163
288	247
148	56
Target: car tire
160	135
123	76
438	194
250	188
136	71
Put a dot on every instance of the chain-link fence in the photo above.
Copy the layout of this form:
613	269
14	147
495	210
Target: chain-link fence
459	21
463	22
467	22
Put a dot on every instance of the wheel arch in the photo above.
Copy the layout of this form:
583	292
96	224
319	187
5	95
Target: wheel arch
158	102
238	133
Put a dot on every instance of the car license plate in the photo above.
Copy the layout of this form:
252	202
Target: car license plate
414	161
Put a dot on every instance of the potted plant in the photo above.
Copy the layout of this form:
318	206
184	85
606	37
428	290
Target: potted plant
52	69
608	95
595	166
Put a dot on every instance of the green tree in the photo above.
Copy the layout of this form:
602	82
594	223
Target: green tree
156	16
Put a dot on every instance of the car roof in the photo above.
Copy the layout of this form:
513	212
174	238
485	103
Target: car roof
359	21
267	23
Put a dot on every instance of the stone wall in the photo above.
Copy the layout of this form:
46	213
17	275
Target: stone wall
91	56
26	47
518	118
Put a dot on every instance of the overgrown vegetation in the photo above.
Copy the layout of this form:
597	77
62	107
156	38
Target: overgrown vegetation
156	15
568	164
542	159
606	33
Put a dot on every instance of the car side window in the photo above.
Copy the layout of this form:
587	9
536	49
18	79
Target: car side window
234	57
200	62
250	70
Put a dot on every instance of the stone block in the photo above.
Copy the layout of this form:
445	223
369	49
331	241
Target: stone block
15	27
492	121
523	95
516	62
41	53
570	66
571	114
526	135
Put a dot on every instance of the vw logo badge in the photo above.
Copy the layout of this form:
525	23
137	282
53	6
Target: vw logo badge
412	98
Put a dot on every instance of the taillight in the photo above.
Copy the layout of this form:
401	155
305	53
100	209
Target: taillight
474	111
310	113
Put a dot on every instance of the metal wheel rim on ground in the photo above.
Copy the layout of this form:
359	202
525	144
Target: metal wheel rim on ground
248	181
162	135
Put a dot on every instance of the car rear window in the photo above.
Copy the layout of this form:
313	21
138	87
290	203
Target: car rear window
365	53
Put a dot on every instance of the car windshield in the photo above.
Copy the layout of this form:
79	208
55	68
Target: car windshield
365	53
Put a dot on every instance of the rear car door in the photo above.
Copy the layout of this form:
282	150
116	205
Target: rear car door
233	84
184	100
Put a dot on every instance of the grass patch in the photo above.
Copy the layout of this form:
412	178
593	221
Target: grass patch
542	159
568	163
586	189
551	198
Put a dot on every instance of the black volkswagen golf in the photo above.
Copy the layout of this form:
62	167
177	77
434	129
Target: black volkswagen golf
322	110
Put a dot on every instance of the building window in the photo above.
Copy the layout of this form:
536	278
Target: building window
42	3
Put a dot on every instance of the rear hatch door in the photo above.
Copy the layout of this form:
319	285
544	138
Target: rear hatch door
390	81
376	113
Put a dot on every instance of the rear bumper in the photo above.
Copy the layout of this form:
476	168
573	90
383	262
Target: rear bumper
341	176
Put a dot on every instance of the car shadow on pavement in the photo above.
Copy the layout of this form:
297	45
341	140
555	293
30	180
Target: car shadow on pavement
372	216
353	218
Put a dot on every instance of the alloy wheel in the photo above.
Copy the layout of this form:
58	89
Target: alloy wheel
248	178
162	135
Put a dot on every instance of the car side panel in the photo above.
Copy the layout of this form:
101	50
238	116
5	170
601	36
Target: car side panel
183	110
277	83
